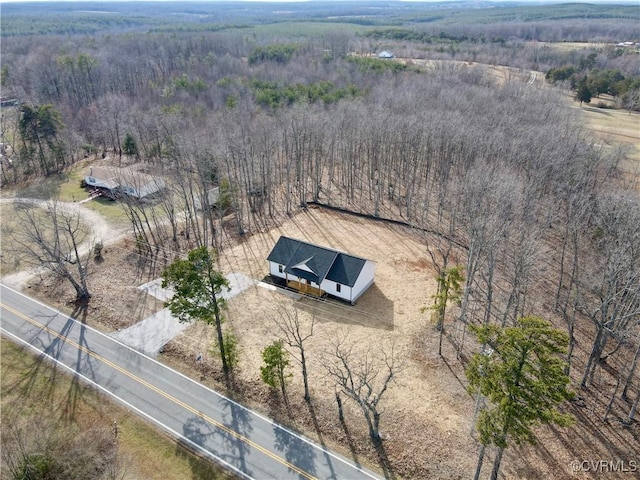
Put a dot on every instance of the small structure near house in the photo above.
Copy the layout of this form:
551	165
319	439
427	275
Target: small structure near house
319	270
386	54
9	102
213	195
120	181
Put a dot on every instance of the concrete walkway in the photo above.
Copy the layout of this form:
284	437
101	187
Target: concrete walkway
151	334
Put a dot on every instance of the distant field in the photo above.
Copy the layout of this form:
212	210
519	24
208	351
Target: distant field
616	127
306	29
567	46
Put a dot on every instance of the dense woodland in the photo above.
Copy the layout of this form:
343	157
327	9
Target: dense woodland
502	174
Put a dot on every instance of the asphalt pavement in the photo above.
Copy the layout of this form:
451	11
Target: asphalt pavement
249	444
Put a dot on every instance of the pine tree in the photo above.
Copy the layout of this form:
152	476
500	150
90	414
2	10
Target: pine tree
276	362
198	287
523	378
129	146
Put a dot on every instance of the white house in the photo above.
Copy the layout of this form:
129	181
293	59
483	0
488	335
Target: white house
319	270
119	180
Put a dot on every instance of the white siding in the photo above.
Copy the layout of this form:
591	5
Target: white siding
365	279
273	270
350	294
330	287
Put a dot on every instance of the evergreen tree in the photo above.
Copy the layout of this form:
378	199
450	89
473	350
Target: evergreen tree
449	289
583	94
129	146
524	380
38	128
198	287
276	362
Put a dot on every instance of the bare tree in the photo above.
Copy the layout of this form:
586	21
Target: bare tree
139	214
295	334
488	204
57	240
632	370
613	301
440	252
363	377
112	119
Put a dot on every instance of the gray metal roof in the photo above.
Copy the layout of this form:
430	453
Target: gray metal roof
316	263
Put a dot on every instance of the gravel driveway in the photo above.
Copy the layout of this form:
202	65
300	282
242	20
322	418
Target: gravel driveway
151	334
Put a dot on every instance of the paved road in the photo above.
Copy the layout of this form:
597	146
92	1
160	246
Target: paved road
251	445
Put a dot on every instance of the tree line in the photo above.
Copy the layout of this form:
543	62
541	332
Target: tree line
531	210
589	81
433	145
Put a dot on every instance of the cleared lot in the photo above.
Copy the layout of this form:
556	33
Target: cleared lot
426	398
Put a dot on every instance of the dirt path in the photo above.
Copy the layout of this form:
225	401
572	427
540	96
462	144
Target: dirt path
102	231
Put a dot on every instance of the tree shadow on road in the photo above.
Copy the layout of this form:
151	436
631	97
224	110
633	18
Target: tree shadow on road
85	364
297	451
316	426
226	441
64	407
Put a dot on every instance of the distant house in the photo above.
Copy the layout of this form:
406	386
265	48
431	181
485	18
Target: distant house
386	54
213	195
118	181
319	270
9	102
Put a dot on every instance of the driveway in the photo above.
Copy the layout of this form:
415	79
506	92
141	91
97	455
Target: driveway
101	231
151	334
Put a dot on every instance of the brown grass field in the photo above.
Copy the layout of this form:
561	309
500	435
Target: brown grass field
615	128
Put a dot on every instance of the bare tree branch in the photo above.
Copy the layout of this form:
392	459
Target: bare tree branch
294	335
363	377
58	241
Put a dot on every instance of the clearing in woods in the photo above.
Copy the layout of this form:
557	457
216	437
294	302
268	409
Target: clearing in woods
428	414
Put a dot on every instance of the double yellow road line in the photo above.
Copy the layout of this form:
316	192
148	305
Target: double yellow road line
152	387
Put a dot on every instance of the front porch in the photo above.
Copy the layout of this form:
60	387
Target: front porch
306	289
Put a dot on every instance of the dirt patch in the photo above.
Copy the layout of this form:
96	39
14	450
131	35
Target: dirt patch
428	414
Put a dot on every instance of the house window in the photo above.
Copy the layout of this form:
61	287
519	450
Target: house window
338	287
280	268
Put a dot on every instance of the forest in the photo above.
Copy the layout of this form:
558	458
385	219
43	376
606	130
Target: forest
282	110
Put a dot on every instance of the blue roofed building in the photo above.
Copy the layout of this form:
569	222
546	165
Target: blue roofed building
316	270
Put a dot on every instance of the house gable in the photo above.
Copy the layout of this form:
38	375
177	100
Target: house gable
315	263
